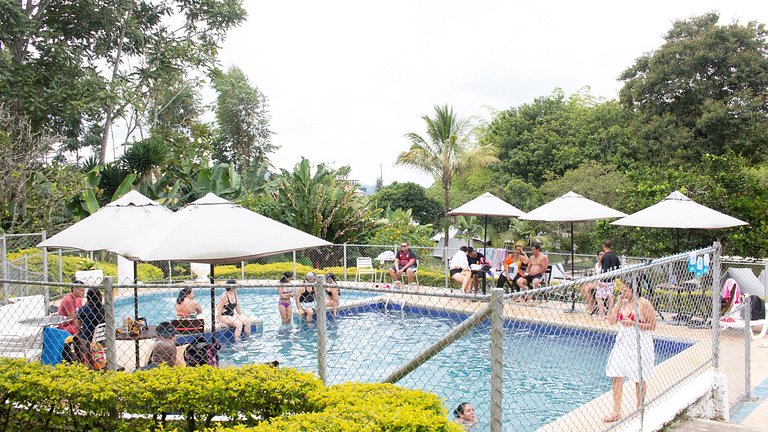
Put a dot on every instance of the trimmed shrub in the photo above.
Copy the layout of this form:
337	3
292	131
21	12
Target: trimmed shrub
256	397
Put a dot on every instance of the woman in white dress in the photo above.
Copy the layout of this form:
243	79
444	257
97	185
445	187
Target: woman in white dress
636	321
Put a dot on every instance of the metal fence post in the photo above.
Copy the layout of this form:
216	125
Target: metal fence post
61	271
497	358
109	318
747	345
46	294
170	273
5	270
242	271
294	263
322	330
25	270
716	263
345	261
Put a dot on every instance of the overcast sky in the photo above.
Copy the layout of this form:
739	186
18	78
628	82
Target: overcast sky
347	79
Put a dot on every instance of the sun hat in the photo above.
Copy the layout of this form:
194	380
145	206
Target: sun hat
165	329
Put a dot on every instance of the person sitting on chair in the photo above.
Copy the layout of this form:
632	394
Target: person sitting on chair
460	269
69	306
479	267
405	262
514	267
90	315
164	351
534	274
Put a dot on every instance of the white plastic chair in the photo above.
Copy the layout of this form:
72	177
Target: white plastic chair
365	267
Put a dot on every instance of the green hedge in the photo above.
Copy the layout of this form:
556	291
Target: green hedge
72	264
255	398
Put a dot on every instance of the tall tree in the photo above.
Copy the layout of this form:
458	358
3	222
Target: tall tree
243	118
68	65
447	151
703	92
555	134
409	196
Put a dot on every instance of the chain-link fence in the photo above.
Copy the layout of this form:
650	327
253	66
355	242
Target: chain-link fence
540	357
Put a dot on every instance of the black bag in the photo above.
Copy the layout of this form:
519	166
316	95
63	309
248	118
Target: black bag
758	308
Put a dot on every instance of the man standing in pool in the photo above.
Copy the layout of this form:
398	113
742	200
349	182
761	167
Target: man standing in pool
405	262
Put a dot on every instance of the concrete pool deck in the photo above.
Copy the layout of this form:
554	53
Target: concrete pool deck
589	416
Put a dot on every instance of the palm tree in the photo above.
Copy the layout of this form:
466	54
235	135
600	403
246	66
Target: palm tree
447	151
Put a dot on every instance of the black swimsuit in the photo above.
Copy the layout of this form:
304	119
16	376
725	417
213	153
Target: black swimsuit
229	308
307	296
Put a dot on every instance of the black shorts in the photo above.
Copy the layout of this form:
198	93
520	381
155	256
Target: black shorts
455	271
530	279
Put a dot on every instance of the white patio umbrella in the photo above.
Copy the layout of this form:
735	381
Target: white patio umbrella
110	224
213	230
572	207
678	211
486	205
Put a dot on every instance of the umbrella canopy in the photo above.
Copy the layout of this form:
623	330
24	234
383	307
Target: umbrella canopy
110	224
679	211
571	207
214	230
487	204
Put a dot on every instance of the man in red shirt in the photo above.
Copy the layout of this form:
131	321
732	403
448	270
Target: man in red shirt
405	262
69	306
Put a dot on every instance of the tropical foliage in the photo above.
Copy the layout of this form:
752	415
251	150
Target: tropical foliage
398	225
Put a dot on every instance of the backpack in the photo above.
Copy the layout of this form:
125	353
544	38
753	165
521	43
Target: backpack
201	352
77	350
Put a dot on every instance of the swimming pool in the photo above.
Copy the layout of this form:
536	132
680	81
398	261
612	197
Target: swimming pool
548	370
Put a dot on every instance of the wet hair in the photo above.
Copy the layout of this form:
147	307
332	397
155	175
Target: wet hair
230	282
459	410
286	277
463	248
93	297
183	293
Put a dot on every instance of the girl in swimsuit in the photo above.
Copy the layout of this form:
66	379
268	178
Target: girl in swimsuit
332	294
229	311
305	298
284	296
186	306
637	319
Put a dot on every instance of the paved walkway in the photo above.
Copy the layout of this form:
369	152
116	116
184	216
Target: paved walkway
751	416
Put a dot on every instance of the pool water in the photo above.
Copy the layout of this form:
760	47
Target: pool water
548	371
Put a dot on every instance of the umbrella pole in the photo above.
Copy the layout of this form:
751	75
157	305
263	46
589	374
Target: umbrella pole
677	240
213	308
573	290
485	251
136	348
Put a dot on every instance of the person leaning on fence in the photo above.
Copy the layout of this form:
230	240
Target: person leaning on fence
229	311
164	351
623	361
305	298
533	276
464	414
405	262
69	306
186	306
460	269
